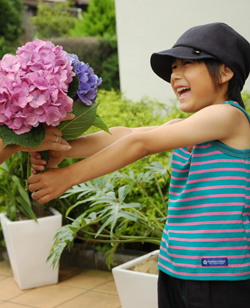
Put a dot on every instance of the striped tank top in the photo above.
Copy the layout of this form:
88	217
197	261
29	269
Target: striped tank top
207	233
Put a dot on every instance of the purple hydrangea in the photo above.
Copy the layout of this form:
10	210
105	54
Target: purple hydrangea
88	81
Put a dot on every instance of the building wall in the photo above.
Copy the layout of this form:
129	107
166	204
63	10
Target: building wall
147	26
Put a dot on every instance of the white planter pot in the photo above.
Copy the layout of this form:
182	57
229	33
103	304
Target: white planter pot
28	245
136	289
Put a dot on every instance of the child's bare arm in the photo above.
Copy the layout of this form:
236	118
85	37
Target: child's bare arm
214	123
87	146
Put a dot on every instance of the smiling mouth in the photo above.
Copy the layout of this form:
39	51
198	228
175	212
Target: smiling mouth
182	91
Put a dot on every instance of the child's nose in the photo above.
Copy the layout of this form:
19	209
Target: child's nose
176	74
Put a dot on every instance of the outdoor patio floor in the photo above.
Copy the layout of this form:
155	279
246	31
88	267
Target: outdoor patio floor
77	288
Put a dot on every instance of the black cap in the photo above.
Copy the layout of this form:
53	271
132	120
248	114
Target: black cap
216	41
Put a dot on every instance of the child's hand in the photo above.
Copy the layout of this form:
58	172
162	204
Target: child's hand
53	139
49	185
38	164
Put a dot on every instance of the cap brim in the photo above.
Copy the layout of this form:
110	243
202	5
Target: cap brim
161	62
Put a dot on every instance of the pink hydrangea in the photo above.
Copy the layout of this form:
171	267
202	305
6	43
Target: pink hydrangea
34	85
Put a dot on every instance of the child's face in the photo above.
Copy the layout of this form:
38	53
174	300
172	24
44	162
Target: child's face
193	85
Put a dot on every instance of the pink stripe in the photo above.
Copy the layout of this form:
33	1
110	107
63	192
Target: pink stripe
177	208
207	154
205	248
179	264
180	171
200	266
179	186
178	178
218	161
202	146
210	187
203	274
219	178
179	155
209	196
237	239
207	231
216	187
184	151
206	214
207	222
218	169
180	163
199	257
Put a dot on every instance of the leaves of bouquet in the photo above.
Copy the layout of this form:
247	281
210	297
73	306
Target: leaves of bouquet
100	124
32	138
73	87
84	118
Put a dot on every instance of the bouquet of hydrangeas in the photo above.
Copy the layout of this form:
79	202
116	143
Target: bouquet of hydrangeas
40	84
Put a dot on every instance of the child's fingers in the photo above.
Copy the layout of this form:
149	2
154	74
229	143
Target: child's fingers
48	185
68	117
37	167
35	155
36	161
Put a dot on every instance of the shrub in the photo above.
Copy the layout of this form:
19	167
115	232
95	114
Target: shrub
99	20
52	20
11	28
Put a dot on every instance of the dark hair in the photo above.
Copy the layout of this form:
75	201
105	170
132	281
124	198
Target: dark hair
233	91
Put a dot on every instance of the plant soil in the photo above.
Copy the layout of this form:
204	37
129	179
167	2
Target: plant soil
149	266
20	216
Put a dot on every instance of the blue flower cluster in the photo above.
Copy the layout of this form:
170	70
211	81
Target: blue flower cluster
88	81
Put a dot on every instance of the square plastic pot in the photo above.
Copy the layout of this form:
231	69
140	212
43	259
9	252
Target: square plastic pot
28	245
136	289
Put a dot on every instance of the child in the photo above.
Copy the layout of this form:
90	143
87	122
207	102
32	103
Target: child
204	257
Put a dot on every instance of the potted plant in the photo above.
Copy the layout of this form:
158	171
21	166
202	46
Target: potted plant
28	237
111	211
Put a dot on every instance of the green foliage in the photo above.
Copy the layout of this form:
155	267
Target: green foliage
99	20
32	138
13	194
11	28
53	20
246	99
85	116
14	197
99	53
111	212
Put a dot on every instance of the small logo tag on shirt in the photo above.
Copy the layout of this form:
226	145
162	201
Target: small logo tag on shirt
214	262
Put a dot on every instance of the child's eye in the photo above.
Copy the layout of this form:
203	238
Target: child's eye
187	62
174	66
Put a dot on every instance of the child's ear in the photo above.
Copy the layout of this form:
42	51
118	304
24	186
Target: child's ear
225	74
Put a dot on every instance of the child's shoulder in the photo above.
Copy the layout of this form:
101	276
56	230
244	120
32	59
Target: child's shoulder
226	112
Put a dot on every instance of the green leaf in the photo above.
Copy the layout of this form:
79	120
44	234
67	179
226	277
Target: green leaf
84	118
24	194
8	192
25	208
45	156
73	87
100	124
32	138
